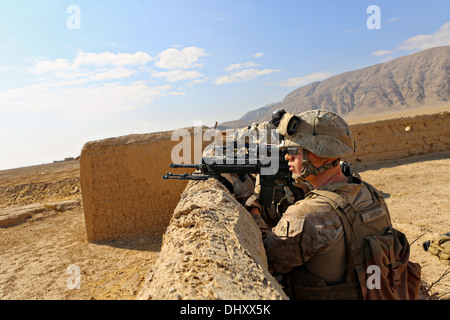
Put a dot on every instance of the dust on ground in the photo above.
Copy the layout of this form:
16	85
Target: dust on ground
39	258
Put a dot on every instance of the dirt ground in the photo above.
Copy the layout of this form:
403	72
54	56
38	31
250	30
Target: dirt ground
48	255
39	259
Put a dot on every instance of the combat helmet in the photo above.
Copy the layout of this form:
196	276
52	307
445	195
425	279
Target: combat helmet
321	132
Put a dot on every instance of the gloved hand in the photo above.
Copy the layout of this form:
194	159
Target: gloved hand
244	191
289	195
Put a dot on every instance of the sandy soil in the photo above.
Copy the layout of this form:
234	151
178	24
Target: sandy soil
35	255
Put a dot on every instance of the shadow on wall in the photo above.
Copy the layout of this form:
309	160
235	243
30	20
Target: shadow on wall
147	242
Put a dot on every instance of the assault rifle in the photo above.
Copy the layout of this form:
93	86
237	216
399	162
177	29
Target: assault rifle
214	167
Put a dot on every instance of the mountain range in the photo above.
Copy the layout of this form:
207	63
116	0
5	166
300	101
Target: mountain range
418	79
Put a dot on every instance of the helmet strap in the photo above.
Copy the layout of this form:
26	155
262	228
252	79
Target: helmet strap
309	169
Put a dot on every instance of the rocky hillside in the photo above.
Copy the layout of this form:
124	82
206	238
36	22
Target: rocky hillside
414	80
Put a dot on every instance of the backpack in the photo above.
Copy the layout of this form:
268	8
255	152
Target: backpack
378	254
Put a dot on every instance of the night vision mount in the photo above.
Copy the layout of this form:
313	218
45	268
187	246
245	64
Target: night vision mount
289	128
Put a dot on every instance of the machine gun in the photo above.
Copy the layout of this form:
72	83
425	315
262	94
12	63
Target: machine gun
214	167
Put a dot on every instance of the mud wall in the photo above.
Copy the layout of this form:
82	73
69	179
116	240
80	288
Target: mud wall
212	249
123	192
401	137
124	195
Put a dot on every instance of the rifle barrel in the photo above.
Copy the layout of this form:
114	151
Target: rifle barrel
184	176
176	165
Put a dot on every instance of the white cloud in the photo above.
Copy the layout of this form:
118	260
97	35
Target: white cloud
51	66
243	75
301	81
197	81
186	58
258	55
108	58
101	74
177	93
116	73
100	85
89	59
392	20
425	41
81	103
420	42
5	68
380	53
178	75
87	67
249	64
387	58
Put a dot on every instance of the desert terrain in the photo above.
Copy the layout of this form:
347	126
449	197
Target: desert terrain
49	235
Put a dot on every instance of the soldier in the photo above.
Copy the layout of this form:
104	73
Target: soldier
308	245
283	196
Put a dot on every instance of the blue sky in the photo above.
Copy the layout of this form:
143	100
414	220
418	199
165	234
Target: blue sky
76	71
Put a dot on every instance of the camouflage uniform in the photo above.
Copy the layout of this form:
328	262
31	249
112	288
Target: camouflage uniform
308	243
319	244
310	233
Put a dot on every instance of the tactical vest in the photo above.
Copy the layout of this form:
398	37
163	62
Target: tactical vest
377	257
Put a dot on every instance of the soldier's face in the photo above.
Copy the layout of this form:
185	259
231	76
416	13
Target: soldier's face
295	161
295	158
